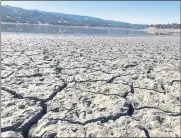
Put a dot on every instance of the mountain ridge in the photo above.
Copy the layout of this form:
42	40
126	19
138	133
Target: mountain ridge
20	15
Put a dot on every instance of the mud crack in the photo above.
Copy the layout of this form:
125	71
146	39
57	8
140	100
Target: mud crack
42	103
150	90
102	119
33	75
152	107
145	130
16	95
174	81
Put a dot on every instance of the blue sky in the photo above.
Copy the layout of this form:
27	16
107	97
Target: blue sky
140	12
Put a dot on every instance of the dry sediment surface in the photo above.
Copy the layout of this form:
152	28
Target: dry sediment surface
85	86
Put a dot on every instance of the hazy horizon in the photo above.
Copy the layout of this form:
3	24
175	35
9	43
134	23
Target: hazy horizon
137	12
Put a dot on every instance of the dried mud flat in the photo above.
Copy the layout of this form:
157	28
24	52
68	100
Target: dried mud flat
80	86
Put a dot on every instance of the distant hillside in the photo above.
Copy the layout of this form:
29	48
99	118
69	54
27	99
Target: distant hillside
20	15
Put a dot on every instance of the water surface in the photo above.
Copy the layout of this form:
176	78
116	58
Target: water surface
59	29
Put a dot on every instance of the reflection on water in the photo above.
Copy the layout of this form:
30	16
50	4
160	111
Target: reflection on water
28	28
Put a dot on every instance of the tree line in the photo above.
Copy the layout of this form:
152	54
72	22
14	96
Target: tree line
166	26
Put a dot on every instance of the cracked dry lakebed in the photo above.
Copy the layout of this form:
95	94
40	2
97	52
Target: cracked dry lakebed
90	86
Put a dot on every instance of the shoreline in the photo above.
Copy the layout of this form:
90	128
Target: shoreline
92	35
79	34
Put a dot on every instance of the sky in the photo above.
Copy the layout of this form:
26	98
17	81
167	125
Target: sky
138	12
